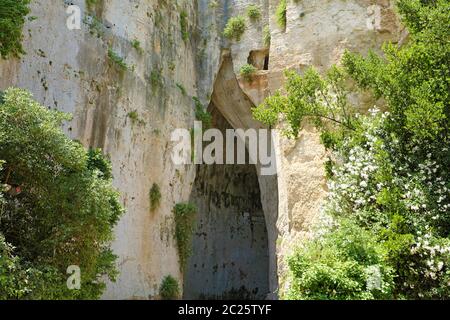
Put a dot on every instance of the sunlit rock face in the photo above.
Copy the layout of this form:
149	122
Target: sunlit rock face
132	113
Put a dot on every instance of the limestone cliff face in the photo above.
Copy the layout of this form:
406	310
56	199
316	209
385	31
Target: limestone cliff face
131	113
70	70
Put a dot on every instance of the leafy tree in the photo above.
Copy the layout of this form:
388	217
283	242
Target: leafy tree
390	176
59	206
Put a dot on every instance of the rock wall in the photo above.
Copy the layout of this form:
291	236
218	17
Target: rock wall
317	34
131	113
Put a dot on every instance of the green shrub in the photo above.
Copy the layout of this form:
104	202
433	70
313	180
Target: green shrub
96	160
133	115
169	289
235	28
347	263
253	12
118	60
59	207
96	27
91	4
156	78
155	196
12	20
247	71
201	114
184	25
391	171
136	44
281	13
184	229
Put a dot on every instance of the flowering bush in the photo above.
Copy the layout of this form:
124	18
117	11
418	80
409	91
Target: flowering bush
389	183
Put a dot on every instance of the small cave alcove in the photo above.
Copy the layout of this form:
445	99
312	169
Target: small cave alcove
259	59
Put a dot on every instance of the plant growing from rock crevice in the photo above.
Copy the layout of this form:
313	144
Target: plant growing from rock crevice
155	196
136	44
184	25
247	71
201	114
169	289
281	13
184	229
235	28
253	12
117	60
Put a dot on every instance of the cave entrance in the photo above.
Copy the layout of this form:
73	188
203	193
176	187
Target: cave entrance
230	257
259	59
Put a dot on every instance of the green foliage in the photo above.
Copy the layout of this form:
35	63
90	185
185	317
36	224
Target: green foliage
267	38
91	4
247	71
169	289
12	20
322	101
96	27
136	44
281	13
346	264
135	118
253	12
59	207
414	79
154	196
118	60
182	88
390	178
184	229
156	79
201	114
97	161
213	4
235	28
184	25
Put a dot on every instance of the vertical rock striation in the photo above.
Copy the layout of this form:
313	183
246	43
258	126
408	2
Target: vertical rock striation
130	113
